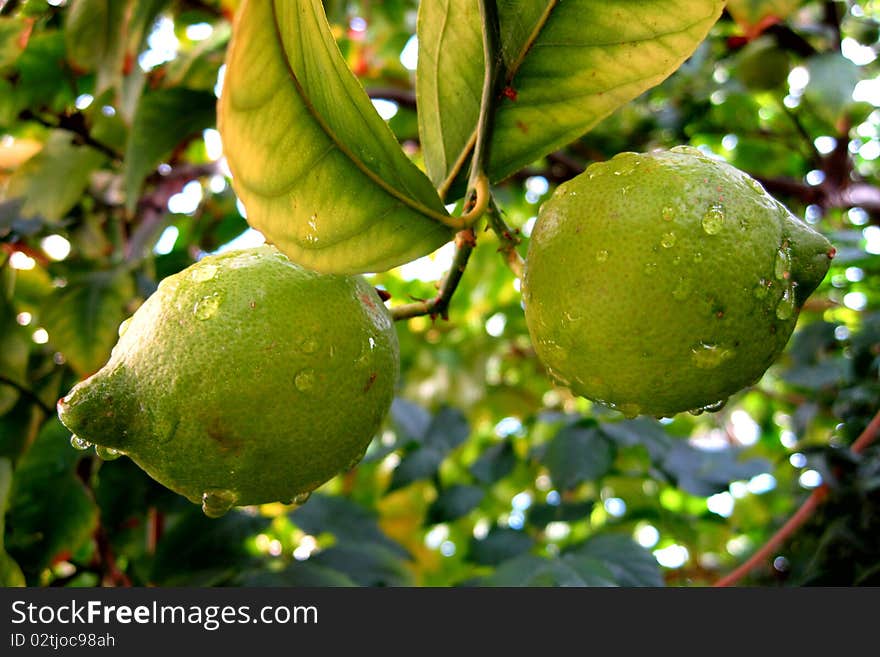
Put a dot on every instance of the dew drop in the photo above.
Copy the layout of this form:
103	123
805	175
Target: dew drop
762	289
681	290
204	272
785	307
708	356
124	327
714	407
755	185
78	443
698	257
782	266
309	346
217	501
668	240
651	268
301	498
687	150
107	453
697	411
207	306
601	255
713	220
667	213
305	380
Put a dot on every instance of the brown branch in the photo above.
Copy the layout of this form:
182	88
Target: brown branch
76	124
465	241
868	436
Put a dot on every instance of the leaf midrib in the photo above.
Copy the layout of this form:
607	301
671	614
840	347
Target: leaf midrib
343	148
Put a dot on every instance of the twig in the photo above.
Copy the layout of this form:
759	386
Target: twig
868	436
509	240
27	392
153	208
465	241
76	124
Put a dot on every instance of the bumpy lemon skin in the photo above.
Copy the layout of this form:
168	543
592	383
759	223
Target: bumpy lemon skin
244	379
664	282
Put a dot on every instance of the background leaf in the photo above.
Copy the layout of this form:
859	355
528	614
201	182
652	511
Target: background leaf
83	318
53	180
50	510
164	119
316	167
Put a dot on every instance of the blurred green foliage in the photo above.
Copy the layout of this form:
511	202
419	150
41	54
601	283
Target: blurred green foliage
485	472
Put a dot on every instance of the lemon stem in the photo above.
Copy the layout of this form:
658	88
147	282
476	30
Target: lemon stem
479	192
465	241
509	240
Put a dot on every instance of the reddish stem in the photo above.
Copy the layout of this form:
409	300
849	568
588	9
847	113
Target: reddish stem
868	436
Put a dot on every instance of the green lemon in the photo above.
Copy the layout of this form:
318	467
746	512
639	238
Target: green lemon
244	379
664	282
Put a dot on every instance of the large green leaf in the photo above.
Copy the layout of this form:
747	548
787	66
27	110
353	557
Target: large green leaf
53	180
631	564
82	319
95	38
319	171
50	510
14	350
163	120
450	41
569	65
578	453
10	573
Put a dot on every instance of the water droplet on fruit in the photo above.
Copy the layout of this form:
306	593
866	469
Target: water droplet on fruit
709	356
676	260
301	498
204	272
667	213
601	255
207	306
124	327
762	289
698	257
687	150
682	290
782	266
713	220
305	380
697	411
755	185
78	443
107	453
650	267
785	307
668	240
714	407
309	346
217	501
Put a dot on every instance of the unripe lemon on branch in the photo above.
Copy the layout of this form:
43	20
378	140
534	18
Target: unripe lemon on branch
666	281
243	379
